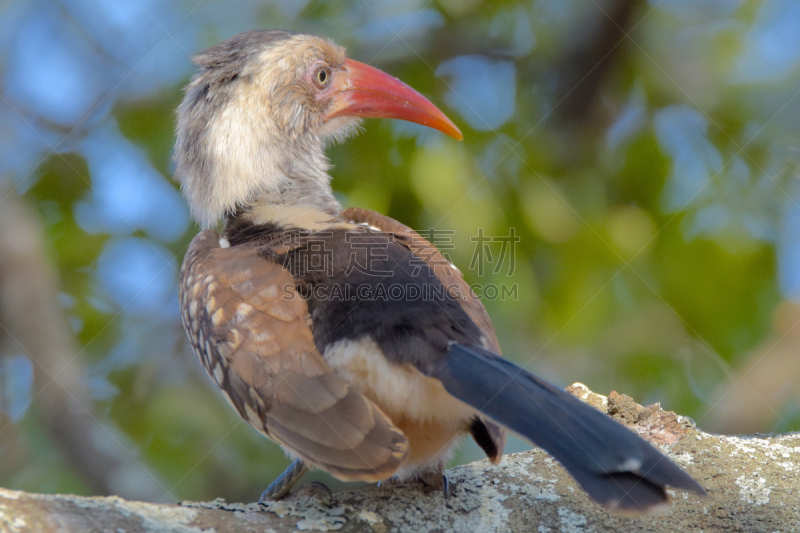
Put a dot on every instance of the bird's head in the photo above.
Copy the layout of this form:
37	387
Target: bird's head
256	119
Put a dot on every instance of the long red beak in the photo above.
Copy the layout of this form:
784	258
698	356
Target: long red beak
363	91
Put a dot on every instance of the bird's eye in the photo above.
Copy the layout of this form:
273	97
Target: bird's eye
322	77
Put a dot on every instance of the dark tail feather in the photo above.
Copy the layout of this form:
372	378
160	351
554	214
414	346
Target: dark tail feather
614	466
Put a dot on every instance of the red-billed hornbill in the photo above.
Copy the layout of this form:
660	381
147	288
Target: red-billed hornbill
282	308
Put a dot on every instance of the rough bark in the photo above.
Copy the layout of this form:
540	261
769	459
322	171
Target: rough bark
752	482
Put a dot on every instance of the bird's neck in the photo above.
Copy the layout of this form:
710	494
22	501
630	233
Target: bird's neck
303	199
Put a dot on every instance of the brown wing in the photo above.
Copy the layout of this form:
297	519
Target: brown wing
490	437
251	332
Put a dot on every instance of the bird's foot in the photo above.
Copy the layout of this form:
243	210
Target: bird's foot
283	484
315	489
437	480
390	482
433	480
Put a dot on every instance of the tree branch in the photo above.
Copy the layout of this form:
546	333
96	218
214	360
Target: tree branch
753	483
32	319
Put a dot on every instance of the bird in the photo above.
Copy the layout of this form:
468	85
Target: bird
301	310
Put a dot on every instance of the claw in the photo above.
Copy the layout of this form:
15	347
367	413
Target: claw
448	488
320	489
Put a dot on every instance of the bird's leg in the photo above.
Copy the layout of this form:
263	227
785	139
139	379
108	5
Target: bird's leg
283	484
